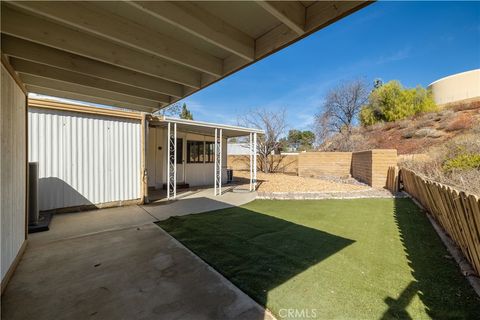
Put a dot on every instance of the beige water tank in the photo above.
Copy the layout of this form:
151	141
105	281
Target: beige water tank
457	87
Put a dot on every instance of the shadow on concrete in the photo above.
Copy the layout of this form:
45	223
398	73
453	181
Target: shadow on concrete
159	196
439	283
238	236
197	201
241	181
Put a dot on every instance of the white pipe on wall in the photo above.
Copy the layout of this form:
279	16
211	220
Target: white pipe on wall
250	151
220	166
175	160
255	161
168	160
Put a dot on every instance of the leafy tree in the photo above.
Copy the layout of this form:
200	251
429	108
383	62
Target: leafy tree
299	140
391	102
185	113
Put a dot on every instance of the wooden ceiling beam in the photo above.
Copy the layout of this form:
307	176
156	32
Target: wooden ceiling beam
48	33
93	20
290	13
322	13
38	81
193	19
318	15
86	98
26	50
106	48
44	71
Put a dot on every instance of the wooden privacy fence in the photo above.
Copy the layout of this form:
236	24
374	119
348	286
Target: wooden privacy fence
392	179
456	211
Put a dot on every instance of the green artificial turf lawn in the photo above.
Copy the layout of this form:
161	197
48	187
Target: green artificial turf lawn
360	259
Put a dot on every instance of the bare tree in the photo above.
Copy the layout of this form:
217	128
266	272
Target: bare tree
173	110
341	108
274	125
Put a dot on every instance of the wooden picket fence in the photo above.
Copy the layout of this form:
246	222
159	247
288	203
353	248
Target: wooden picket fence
392	179
457	212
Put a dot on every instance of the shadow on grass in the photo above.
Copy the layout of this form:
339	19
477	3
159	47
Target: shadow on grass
441	287
255	251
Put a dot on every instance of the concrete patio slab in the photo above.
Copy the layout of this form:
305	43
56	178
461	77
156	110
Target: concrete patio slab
132	273
197	201
66	225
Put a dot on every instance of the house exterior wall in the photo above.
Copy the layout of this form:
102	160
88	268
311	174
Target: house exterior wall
457	87
195	174
84	159
155	157
13	166
202	174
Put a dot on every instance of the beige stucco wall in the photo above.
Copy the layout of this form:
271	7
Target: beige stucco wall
457	87
13	173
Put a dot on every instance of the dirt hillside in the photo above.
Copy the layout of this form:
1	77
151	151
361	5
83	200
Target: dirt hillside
417	134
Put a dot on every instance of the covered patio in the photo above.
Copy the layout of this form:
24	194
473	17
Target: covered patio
127	55
192	153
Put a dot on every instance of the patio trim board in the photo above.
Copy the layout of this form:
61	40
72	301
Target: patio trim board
45	104
13	267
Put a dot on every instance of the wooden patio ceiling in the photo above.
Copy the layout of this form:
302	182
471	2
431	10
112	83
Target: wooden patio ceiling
145	55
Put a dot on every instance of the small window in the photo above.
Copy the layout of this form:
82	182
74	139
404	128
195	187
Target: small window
195	152
210	152
179	150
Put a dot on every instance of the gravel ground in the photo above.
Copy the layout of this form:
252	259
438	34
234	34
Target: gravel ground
279	182
357	194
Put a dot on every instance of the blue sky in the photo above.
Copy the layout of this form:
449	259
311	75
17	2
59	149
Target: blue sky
414	42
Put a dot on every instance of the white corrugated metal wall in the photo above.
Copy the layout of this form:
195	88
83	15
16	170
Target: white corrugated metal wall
84	159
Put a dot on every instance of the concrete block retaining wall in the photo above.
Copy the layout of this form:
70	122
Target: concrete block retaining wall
318	164
370	167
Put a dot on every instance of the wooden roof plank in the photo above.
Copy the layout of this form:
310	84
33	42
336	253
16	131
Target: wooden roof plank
87	98
26	50
193	19
31	68
48	33
88	18
290	13
84	90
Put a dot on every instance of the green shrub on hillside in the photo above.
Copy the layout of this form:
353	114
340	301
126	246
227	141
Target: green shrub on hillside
462	162
391	102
